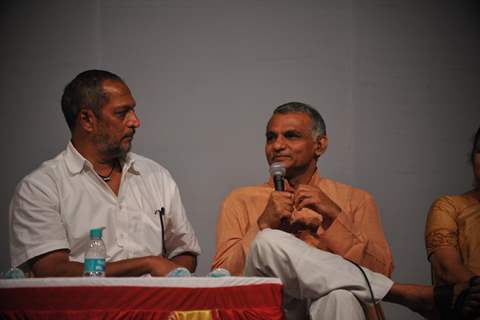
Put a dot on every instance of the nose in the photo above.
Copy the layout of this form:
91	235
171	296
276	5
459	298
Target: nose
133	120
279	143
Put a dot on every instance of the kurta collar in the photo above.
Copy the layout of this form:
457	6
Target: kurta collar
314	180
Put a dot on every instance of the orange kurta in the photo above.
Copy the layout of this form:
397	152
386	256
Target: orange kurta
356	234
454	221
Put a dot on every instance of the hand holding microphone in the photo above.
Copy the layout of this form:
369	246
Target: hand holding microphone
277	171
280	204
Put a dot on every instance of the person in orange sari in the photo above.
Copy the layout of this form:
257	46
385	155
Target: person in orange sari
452	232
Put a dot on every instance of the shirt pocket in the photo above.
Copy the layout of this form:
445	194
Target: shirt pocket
145	232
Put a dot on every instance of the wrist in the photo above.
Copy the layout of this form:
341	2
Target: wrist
263	221
262	225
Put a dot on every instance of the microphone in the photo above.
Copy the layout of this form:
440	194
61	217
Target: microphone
277	171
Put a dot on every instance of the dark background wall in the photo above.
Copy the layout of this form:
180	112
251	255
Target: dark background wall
397	82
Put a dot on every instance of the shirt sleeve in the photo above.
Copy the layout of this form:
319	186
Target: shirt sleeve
234	236
359	236
36	226
179	234
441	227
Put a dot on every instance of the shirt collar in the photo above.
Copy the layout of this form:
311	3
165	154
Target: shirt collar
76	162
129	165
314	180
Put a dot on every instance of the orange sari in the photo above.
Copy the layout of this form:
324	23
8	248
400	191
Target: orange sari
454	221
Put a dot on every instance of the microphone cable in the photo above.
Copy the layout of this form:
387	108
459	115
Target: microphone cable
375	305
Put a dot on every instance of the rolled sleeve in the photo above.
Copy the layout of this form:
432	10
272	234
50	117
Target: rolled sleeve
36	226
179	235
234	236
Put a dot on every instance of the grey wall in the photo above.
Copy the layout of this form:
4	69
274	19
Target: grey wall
397	82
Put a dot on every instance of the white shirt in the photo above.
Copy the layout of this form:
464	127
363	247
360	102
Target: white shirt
55	207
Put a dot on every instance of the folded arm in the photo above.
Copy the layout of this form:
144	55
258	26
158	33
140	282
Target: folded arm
359	236
58	264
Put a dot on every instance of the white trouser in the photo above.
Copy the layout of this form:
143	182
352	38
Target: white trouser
329	286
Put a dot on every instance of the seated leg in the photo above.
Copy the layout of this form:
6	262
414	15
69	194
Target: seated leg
307	272
337	305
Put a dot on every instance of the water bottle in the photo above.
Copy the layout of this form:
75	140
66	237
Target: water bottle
94	264
179	272
219	273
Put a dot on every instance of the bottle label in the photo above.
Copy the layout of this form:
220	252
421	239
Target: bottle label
94	265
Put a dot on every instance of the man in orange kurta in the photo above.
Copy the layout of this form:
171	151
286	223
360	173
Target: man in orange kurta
326	214
356	233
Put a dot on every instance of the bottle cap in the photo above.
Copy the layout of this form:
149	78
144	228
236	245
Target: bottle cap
96	233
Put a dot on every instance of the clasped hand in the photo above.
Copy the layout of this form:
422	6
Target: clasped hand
281	205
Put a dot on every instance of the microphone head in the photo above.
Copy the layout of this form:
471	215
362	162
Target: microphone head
277	169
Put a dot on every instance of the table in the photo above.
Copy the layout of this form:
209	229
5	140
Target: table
192	298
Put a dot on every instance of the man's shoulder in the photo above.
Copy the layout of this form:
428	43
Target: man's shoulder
44	179
47	169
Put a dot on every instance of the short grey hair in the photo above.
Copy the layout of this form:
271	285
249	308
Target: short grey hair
318	124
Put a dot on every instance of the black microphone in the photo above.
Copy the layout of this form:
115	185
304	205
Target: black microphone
277	171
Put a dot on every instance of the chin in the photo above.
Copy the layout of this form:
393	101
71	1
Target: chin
126	147
286	163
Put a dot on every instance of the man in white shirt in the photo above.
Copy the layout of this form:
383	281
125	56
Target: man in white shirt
98	182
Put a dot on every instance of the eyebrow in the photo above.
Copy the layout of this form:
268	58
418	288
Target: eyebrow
125	107
289	131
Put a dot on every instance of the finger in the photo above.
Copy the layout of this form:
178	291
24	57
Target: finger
471	304
300	196
471	309
474	289
305	203
278	201
287	207
281	195
287	214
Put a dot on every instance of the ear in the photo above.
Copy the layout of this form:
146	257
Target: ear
321	145
87	120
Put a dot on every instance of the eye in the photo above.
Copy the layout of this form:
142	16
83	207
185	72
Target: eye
292	135
270	136
121	113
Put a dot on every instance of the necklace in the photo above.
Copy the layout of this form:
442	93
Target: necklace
108	177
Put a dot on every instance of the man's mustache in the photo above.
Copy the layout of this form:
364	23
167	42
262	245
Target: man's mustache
130	134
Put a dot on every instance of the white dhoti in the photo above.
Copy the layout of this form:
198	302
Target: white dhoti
316	282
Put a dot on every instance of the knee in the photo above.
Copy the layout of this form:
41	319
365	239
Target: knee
266	241
341	296
338	304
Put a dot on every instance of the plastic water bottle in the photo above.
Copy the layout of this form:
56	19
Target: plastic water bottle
179	272
94	264
12	273
219	273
